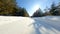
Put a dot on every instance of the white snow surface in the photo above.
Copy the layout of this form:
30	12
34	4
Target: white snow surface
27	25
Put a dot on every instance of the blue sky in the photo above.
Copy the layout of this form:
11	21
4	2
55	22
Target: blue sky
32	5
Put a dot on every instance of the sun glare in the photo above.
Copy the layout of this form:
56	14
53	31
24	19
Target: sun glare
36	7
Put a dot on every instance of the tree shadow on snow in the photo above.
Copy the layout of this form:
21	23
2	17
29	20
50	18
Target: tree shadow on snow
41	26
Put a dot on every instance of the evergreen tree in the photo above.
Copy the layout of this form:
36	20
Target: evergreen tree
21	12
53	8
7	7
38	13
24	12
57	11
46	11
10	8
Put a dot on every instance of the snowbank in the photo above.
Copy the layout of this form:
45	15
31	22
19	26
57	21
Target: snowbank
26	25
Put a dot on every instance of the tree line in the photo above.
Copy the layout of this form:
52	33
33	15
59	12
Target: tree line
54	10
10	8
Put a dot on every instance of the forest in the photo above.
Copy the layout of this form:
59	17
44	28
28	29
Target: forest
10	8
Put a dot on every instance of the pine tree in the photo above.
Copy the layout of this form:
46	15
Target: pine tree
38	13
7	7
10	8
55	10
21	12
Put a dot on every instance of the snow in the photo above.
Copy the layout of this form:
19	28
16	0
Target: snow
27	25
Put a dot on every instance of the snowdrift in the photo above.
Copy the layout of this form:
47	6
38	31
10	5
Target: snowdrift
26	25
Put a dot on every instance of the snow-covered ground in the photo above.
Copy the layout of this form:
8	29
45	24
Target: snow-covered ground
26	25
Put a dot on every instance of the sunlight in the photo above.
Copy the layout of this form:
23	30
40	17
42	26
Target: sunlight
36	7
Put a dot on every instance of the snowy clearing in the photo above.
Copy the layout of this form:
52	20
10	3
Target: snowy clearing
26	25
